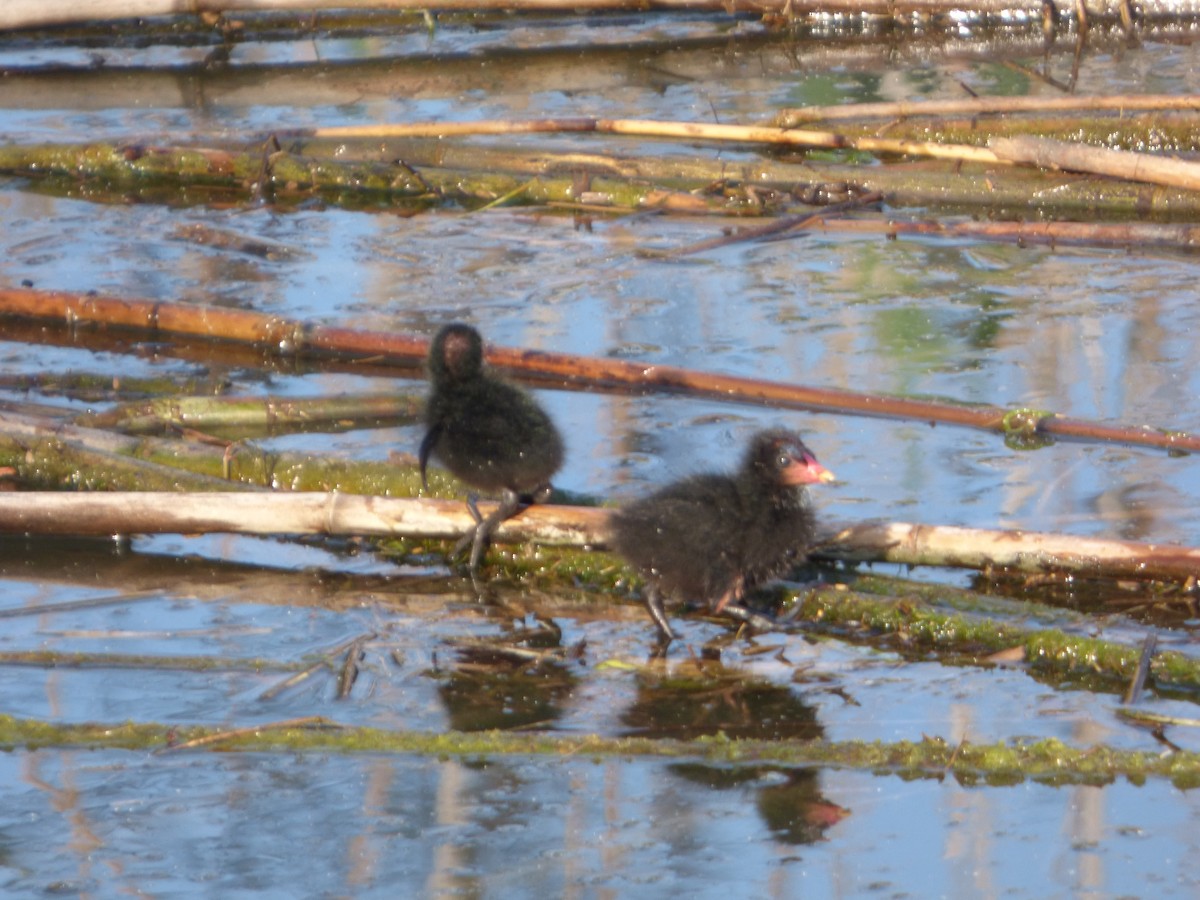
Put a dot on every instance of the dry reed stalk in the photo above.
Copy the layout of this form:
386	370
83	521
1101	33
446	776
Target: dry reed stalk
1051	154
572	526
702	131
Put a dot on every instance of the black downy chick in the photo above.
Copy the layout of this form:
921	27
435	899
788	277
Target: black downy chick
715	537
490	434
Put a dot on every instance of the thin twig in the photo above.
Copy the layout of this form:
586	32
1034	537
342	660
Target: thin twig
49	609
1138	683
279	687
1143	717
53	659
779	226
349	673
303	722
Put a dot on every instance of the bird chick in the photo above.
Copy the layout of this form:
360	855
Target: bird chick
490	434
714	537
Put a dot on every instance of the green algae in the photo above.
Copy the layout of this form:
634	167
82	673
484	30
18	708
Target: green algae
915	624
182	175
57	659
53	464
253	416
1047	761
284	174
1022	428
101	386
158	464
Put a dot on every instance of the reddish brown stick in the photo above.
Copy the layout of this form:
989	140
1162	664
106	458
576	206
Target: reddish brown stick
294	338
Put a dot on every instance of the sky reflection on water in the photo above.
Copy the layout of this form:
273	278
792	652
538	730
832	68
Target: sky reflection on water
1108	335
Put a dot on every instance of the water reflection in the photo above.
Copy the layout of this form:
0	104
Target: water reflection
789	800
697	700
516	679
112	823
1090	334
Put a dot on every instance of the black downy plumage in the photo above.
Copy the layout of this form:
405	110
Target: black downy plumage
490	434
715	537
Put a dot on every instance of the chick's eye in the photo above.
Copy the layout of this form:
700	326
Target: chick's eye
784	460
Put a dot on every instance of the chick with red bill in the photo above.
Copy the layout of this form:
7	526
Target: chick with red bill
490	434
715	537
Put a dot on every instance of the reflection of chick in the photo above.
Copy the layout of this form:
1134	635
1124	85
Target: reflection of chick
1135	518
796	811
714	537
490	434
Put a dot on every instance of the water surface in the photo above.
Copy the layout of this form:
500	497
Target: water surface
1097	334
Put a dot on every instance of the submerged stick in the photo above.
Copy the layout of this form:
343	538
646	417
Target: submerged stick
279	687
55	659
296	338
252	731
275	414
1025	150
349	671
50	609
791	225
974	106
654	128
69	455
1138	235
49	455
572	526
1138	684
325	663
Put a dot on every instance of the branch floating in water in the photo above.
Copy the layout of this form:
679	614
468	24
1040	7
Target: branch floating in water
556	525
296	338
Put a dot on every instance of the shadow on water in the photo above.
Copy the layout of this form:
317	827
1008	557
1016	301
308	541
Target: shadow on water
506	681
705	699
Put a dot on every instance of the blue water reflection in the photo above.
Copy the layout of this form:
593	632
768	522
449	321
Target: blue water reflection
110	823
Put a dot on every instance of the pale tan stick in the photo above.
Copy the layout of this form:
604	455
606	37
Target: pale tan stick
1126	164
748	134
576	526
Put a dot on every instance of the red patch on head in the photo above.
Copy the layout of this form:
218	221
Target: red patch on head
805	470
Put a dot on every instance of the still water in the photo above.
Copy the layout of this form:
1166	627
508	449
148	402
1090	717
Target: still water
1106	335
106	824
